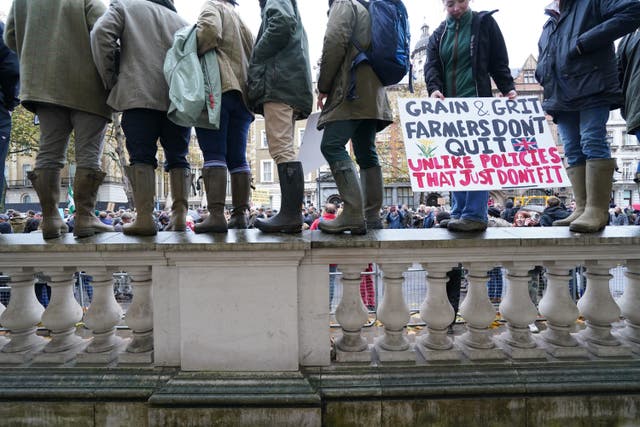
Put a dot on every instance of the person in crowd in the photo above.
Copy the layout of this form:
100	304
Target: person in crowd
394	218
629	68
553	212
221	28
578	71
357	119
9	78
442	218
328	214
464	53
509	211
494	219
525	219
618	217
454	284
33	222
280	89
129	45
69	97
429	220
125	218
5	225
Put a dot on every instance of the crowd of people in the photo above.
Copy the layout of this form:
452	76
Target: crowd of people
82	61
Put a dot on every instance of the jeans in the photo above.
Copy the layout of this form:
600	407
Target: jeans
142	128
227	146
362	134
472	205
584	134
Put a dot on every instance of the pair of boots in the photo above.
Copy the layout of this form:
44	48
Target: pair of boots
592	184
359	213
143	183
46	183
215	184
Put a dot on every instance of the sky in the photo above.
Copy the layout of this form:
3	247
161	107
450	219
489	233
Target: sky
520	20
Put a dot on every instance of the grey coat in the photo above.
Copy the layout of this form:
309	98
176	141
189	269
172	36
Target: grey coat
129	45
51	39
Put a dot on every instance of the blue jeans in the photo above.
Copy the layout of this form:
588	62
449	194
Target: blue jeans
472	205
142	128
584	134
227	146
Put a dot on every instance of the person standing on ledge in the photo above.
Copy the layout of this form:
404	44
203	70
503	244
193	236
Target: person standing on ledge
577	68
356	119
59	82
280	89
464	53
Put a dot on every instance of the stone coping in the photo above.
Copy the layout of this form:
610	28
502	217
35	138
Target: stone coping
170	387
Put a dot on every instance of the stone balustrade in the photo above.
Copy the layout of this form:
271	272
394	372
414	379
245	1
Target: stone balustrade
245	301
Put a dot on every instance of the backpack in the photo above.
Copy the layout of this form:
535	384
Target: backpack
389	53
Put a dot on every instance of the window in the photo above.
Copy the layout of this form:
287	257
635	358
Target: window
266	171
25	172
631	139
529	77
25	198
626	196
263	139
405	196
610	137
300	136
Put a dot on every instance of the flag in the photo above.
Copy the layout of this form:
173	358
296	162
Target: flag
524	144
71	205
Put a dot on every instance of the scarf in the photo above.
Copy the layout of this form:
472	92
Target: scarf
166	3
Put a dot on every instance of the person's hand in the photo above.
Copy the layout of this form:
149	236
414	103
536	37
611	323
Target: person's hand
437	94
511	95
321	98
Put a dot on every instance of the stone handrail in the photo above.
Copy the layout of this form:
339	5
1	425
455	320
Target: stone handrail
246	301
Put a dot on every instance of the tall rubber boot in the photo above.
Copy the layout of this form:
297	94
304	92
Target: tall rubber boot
143	181
240	194
85	192
180	181
352	216
289	218
46	182
372	189
599	180
215	184
578	183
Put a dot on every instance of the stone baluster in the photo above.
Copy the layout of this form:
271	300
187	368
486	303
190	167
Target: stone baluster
139	318
519	312
630	306
437	313
352	316
561	313
21	318
103	316
394	313
61	317
478	313
600	310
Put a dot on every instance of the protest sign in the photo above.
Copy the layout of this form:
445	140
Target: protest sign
470	144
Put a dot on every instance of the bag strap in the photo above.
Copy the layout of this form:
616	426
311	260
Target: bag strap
361	56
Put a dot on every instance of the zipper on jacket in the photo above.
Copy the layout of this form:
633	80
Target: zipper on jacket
454	89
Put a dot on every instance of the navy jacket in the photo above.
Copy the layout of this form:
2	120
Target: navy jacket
577	63
489	58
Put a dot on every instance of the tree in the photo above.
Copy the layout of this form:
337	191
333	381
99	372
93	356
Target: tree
25	133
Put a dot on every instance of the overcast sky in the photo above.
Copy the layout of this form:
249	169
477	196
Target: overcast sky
521	21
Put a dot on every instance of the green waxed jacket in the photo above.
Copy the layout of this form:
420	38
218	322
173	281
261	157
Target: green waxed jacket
335	70
52	41
279	70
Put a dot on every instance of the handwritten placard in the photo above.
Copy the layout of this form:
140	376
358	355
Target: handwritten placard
466	144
